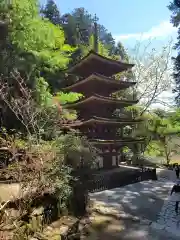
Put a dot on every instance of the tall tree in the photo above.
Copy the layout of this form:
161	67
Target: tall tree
101	48
120	51
164	133
174	7
33	36
161	132
81	21
51	12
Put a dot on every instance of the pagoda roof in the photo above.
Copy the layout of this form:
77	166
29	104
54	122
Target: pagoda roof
101	100
116	142
95	81
94	62
98	120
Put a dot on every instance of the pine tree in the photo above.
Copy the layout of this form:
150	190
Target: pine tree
51	12
174	7
120	51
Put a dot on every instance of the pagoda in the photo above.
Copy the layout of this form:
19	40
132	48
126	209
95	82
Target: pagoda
95	110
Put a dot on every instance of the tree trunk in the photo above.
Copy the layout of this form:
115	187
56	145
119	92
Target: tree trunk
167	153
167	159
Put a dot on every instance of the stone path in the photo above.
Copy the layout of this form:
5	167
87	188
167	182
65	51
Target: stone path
148	202
167	220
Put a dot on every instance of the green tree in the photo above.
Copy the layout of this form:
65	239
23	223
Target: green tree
39	36
35	48
32	36
51	12
101	48
175	117
119	51
161	133
81	21
174	7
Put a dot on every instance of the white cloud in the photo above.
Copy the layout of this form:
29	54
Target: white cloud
164	29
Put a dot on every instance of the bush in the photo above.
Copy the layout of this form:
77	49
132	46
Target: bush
43	170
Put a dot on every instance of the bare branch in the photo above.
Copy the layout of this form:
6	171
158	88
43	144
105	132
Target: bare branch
19	99
153	73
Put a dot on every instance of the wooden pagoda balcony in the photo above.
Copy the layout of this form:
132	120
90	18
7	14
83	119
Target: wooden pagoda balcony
100	125
107	135
100	76
114	142
106	113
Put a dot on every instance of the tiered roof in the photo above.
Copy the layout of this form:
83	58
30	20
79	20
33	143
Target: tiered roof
95	63
100	100
96	85
100	121
93	83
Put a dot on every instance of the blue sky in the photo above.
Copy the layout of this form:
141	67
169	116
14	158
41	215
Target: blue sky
128	21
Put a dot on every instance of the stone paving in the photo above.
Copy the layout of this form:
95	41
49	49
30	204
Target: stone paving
167	220
149	202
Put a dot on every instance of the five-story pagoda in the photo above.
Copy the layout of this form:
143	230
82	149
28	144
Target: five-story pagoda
95	110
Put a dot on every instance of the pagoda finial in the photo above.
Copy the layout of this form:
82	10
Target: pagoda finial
95	34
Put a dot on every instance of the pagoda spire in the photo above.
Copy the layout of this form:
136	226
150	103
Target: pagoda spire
95	34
